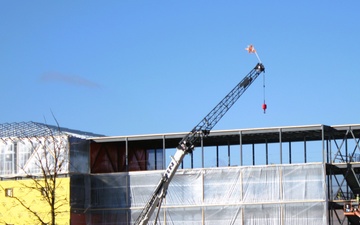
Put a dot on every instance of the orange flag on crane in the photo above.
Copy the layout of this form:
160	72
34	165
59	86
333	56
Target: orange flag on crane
250	49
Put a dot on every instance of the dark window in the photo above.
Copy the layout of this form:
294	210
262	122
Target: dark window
154	159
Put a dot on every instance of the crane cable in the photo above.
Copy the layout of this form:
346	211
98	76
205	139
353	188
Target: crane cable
251	49
264	106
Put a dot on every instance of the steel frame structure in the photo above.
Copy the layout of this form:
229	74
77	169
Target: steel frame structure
343	173
336	146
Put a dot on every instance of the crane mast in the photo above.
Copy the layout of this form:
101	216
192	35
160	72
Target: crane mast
187	144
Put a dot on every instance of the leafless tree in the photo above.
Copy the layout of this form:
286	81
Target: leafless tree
46	161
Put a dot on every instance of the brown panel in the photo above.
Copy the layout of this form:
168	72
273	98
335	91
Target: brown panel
137	159
107	157
110	157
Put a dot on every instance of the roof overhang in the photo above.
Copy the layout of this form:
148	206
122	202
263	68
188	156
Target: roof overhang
250	135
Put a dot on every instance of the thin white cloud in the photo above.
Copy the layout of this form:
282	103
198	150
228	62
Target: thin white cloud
69	79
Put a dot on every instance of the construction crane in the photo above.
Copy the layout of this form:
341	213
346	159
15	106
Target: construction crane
187	144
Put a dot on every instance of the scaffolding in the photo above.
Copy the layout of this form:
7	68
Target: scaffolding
243	176
336	147
343	173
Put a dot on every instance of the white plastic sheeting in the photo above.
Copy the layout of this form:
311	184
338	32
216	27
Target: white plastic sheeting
19	157
270	195
254	195
24	156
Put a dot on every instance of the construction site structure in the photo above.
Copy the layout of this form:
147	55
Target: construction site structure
281	175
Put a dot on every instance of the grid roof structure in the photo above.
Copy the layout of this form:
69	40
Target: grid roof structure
35	129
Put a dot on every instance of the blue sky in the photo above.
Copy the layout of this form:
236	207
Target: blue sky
144	67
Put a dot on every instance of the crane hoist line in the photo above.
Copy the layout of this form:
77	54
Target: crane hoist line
187	144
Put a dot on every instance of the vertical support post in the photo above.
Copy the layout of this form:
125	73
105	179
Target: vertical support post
289	152
266	152
253	154
127	176
328	151
305	151
241	149
192	159
323	143
126	154
346	150
164	153
280	142
229	153
217	155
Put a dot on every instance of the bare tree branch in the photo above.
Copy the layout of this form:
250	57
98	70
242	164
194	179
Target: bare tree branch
48	157
29	209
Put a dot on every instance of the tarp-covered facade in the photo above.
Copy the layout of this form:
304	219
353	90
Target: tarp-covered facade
112	178
23	156
25	146
270	195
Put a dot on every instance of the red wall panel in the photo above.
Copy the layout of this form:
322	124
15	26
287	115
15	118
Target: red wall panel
110	157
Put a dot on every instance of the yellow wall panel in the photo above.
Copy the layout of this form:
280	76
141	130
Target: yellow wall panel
27	198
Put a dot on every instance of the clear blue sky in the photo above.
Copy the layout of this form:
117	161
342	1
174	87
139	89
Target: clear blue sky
144	67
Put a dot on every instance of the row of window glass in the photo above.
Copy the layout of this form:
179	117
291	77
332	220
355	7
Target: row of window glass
232	155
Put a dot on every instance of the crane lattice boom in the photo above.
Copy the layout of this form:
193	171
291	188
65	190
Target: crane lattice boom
187	144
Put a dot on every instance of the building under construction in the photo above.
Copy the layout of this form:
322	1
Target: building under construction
278	175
